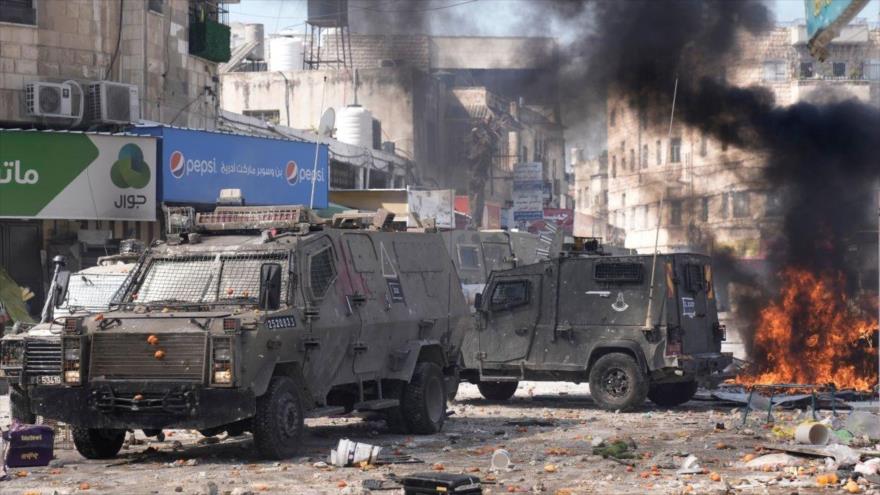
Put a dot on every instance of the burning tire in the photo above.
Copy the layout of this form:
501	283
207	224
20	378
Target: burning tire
423	402
497	390
672	394
617	382
95	443
278	424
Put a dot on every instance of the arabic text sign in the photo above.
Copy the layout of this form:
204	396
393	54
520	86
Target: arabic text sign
436	204
822	14
196	165
528	191
77	176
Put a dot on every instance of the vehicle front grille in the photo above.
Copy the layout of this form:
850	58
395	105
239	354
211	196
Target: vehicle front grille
128	356
42	357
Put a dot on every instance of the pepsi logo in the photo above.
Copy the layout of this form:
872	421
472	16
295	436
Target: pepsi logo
177	164
291	173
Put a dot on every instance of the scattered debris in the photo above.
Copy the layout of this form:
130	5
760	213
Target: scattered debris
772	462
690	465
348	453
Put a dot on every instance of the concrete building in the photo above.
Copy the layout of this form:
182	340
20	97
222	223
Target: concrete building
714	194
427	94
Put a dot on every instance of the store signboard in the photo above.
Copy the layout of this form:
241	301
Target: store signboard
77	176
528	191
196	165
437	204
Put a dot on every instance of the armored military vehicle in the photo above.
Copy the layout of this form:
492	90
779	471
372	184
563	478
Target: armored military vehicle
590	317
248	319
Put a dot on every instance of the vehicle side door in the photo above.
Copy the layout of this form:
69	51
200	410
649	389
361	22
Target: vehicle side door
696	304
509	313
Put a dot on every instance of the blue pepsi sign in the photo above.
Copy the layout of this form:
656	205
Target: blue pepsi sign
196	165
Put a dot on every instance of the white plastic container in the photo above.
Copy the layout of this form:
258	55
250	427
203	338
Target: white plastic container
285	54
354	125
254	32
812	434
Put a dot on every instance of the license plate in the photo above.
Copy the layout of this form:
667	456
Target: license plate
50	380
278	322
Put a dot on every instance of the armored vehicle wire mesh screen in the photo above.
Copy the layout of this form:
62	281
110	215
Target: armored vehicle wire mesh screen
618	272
208	279
91	293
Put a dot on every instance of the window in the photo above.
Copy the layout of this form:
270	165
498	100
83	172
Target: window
774	70
838	69
724	207
18	11
613	117
468	257
632	158
342	175
659	153
872	70
613	166
156	6
774	206
644	156
525	154
704	145
704	209
508	295
322	272
675	150
695	278
271	116
723	145
807	70
675	212
740	204
618	272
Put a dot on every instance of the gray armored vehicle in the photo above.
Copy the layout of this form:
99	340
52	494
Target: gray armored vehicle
248	319
588	317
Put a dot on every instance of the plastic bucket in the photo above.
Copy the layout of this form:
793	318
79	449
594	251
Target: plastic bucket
812	434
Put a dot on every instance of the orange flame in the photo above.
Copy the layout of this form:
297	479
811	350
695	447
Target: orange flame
814	334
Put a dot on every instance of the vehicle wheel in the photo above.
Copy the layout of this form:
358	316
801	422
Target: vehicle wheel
394	416
278	423
95	443
497	390
617	382
672	394
20	407
423	402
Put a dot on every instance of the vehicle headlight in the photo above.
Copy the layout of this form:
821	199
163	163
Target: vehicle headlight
221	361
11	353
72	352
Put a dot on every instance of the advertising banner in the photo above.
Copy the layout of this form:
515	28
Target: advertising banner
825	19
196	165
528	191
77	176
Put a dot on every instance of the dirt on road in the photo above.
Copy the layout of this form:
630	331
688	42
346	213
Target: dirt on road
550	431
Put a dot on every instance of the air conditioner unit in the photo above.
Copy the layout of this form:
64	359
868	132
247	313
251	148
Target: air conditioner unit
113	103
46	99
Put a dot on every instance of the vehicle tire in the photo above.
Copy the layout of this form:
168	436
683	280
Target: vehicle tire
497	390
20	407
423	401
451	382
672	394
394	415
98	443
617	382
278	423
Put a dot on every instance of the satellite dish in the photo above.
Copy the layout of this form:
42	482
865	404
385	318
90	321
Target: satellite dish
328	120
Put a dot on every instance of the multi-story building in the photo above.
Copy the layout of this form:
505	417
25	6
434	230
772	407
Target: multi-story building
427	94
713	194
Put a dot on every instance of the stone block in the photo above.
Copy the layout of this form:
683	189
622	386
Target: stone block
7	65
85	57
47	69
48	38
26	67
64	24
30	52
13	81
10	50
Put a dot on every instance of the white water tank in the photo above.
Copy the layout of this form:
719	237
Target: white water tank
354	125
254	32
285	54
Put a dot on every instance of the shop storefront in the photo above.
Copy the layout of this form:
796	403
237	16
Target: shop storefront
197	164
71	193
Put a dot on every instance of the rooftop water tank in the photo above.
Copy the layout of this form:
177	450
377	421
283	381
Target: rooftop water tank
254	32
354	125
285	54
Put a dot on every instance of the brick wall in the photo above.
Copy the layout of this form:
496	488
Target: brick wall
372	51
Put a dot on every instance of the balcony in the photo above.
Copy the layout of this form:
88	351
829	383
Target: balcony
208	37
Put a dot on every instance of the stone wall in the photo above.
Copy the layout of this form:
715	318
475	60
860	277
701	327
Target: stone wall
76	39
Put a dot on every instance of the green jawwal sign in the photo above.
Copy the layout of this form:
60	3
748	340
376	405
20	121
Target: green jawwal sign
77	176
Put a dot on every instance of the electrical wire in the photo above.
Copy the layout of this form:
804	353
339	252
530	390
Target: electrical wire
426	9
118	41
197	98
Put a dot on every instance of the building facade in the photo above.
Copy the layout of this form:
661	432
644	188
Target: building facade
714	195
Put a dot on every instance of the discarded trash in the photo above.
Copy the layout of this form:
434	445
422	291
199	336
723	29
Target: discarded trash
500	460
812	434
773	461
28	445
843	455
852	487
597	441
861	423
348	453
427	483
868	468
690	465
618	450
